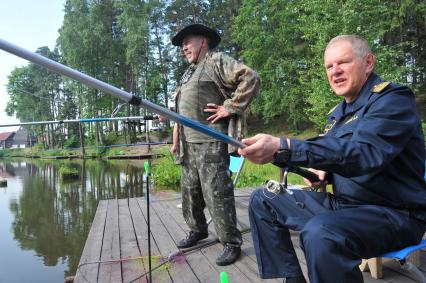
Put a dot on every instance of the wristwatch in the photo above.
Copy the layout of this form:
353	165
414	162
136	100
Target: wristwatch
284	153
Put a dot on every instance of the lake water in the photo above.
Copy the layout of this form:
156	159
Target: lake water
44	221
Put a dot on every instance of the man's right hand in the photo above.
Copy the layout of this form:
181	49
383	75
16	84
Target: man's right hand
260	149
161	118
173	149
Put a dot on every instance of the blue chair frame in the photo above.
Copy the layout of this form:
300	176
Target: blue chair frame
401	257
236	164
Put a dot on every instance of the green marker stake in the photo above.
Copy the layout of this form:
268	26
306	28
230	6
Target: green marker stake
223	277
146	165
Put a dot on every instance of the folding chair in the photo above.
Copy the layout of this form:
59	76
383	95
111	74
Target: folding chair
410	264
236	164
401	257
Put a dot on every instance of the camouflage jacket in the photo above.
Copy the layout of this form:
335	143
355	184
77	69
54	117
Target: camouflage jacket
238	84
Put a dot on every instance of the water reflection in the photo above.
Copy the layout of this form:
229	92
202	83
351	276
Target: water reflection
51	217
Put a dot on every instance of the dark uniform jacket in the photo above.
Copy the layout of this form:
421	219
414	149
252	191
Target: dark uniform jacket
374	148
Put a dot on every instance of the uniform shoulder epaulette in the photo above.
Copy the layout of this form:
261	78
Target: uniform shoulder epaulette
380	87
332	109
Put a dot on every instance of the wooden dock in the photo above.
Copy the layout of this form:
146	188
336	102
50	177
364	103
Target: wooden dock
116	249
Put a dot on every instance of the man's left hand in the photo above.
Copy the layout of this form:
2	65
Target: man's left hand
218	110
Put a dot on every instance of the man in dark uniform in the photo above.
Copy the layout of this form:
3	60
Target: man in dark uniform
215	90
373	152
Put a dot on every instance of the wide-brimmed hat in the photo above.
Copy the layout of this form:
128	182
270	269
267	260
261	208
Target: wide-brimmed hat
197	29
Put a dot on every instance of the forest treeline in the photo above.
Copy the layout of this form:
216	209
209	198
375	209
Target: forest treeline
127	44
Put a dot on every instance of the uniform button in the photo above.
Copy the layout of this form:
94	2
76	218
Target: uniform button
298	154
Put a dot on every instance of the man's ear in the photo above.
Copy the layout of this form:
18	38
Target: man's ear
371	61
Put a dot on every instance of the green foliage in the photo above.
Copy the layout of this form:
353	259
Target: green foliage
110	138
72	142
165	172
424	131
96	151
115	151
68	173
127	44
255	175
38	147
5	152
54	152
285	41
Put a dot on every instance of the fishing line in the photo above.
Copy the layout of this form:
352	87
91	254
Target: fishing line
172	257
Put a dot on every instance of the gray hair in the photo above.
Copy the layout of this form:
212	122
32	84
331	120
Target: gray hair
359	45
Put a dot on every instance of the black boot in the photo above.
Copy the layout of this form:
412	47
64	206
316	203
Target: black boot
192	239
229	255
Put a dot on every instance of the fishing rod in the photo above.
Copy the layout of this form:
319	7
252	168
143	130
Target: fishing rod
114	91
123	95
85	120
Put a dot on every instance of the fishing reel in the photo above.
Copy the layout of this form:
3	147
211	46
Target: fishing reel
277	187
274	187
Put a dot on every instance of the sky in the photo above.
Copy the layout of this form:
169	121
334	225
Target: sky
29	24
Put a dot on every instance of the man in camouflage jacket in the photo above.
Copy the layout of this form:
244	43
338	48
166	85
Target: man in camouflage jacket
215	90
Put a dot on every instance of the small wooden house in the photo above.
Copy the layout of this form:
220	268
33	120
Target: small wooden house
22	139
6	139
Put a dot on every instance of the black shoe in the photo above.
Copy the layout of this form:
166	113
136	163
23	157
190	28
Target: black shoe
229	255
191	239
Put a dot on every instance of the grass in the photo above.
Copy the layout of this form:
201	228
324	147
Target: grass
255	175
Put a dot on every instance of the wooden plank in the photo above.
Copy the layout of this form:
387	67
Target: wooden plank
88	272
245	269
161	227
176	230
237	272
111	272
196	261
128	243
141	231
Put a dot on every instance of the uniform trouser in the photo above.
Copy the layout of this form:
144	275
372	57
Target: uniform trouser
334	236
206	181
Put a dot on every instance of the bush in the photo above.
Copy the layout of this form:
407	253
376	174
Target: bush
38	147
54	152
69	173
72	142
110	138
165	172
115	151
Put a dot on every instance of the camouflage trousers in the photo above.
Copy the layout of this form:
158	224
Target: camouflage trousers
206	182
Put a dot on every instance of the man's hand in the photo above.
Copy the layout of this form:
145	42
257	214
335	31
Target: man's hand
218	110
260	148
321	175
173	149
160	118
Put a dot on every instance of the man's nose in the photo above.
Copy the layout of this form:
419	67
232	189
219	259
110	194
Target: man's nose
335	69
